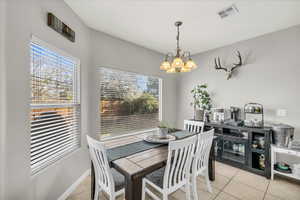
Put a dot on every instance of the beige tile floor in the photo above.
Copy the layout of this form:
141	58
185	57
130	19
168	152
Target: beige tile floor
230	184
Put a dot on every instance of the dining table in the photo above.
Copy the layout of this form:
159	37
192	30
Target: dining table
135	158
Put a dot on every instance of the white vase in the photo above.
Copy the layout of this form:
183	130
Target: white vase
199	115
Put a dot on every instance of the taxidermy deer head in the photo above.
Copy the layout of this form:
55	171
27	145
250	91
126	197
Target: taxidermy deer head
229	71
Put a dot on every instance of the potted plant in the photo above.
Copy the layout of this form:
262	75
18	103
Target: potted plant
163	129
202	101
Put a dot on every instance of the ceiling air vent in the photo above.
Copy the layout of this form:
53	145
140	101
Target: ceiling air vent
228	11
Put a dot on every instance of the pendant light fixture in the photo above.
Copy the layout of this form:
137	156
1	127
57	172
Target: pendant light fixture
181	62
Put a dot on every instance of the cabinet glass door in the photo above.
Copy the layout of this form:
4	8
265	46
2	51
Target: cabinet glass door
234	151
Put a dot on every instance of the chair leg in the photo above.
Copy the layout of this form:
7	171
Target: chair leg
194	188
112	198
187	191
165	196
96	196
209	188
143	190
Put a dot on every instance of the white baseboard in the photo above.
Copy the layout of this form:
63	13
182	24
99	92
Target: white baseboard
74	185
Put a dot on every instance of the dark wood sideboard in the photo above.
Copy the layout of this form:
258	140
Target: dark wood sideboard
243	147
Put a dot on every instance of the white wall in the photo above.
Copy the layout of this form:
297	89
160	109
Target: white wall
94	49
2	104
23	19
270	76
108	51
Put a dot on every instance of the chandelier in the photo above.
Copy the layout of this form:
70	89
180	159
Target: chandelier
181	62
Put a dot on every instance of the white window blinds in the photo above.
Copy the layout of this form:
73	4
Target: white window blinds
55	106
129	102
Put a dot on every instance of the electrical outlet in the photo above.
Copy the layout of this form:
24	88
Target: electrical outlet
281	113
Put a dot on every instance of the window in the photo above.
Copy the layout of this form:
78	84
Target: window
129	102
55	105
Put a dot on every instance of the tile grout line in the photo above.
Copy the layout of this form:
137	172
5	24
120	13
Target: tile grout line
253	186
222	190
231	179
217	195
267	190
250	186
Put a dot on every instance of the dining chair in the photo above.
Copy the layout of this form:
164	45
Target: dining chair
176	174
200	160
194	126
107	179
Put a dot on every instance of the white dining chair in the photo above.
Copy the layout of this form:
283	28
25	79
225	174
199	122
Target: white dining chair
194	126
107	179
176	174
200	161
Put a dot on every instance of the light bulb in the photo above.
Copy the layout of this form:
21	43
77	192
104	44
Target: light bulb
165	66
177	63
190	64
171	70
184	69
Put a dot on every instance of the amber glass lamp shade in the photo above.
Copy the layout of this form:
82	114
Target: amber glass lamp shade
190	64
184	69
171	70
177	63
165	66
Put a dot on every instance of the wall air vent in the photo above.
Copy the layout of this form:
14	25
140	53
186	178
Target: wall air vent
228	11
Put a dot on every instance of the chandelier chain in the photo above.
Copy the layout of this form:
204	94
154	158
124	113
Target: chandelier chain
177	38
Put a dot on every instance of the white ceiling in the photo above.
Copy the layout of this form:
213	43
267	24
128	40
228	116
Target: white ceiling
150	23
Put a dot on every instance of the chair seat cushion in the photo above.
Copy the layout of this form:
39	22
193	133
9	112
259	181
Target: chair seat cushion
119	179
157	177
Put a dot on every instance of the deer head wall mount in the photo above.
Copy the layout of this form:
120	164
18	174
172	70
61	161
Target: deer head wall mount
229	71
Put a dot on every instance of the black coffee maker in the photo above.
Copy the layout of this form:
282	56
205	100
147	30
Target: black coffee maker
235	113
235	117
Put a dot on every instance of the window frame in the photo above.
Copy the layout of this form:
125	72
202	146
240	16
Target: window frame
77	87
160	99
40	42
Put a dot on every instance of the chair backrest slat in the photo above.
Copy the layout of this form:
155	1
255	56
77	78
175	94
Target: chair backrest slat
194	126
183	161
179	162
102	170
175	157
204	143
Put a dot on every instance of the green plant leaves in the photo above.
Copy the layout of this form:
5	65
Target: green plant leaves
201	97
146	103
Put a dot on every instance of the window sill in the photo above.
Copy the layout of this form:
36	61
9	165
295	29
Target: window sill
126	135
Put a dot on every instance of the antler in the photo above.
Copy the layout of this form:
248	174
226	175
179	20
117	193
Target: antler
236	65
228	71
218	65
